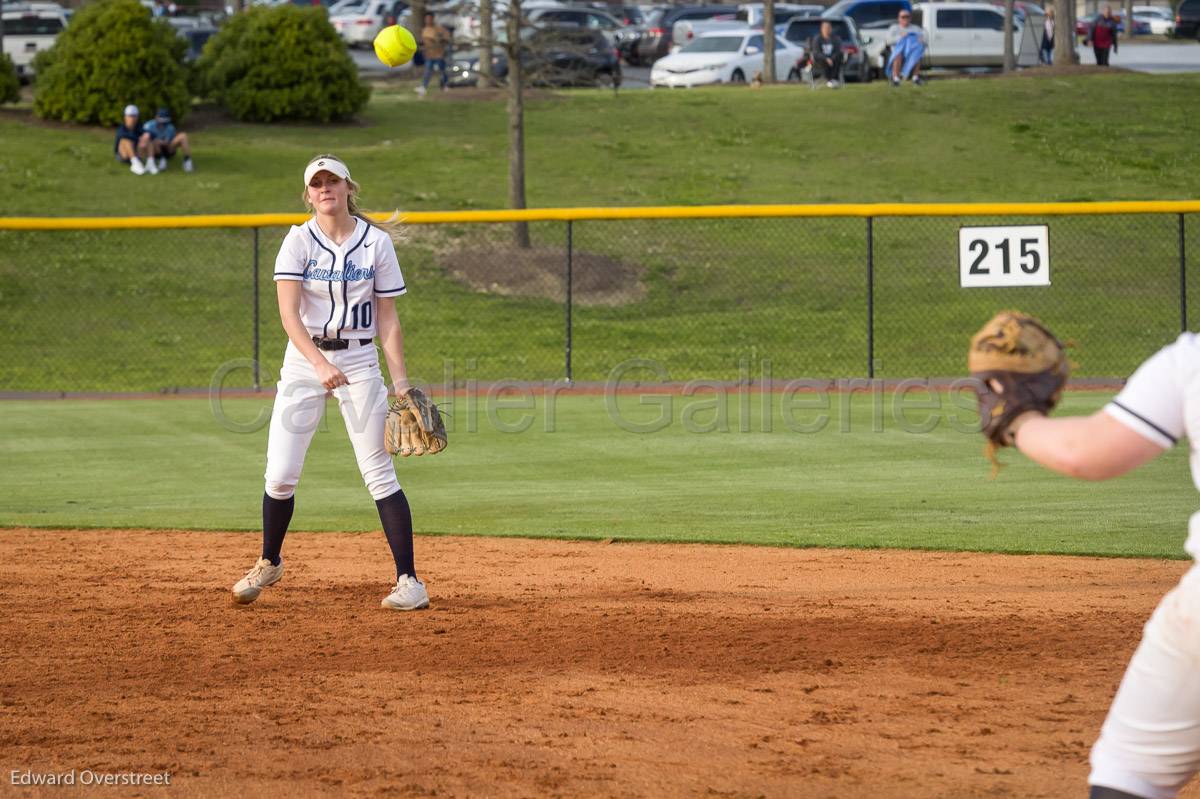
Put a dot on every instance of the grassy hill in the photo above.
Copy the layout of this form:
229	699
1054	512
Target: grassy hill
148	310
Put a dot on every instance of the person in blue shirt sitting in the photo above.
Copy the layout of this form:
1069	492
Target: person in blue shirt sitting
163	141
908	47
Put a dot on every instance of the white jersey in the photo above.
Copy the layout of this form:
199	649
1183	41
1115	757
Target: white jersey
1161	401
340	282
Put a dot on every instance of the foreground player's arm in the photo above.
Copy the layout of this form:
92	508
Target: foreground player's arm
1144	420
391	336
1096	447
288	292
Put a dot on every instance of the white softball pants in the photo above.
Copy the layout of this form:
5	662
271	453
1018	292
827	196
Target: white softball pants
300	406
1149	745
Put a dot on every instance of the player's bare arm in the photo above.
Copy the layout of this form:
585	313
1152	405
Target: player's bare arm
391	337
1096	447
288	292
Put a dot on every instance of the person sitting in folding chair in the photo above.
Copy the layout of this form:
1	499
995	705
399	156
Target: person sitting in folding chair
908	48
826	56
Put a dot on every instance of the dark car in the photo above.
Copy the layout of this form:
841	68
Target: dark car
657	40
869	14
464	68
1187	19
196	39
635	33
552	57
568	56
800	30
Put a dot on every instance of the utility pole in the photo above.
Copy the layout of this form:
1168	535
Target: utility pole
769	41
516	123
1010	63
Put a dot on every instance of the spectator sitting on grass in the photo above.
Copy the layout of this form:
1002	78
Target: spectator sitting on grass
825	50
131	145
908	47
163	140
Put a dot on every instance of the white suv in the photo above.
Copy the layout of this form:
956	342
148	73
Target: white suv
30	28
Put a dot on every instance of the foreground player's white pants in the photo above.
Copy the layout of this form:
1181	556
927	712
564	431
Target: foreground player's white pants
300	405
1150	743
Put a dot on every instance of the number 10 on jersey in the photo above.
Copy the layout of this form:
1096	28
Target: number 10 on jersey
1017	255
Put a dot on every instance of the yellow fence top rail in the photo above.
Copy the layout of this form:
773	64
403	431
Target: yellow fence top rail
861	210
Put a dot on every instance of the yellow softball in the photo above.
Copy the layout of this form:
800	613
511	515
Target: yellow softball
395	45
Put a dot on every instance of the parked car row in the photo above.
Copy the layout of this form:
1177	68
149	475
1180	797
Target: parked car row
358	22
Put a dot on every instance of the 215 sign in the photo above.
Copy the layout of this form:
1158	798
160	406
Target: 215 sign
1014	255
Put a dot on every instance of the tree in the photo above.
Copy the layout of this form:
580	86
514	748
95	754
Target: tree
1010	63
1064	33
769	41
1129	31
516	122
281	62
486	43
416	19
10	86
112	53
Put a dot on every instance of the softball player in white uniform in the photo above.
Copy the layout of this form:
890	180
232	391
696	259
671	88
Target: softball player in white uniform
337	278
1149	745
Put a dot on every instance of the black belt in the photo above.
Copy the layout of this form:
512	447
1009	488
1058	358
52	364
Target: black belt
337	343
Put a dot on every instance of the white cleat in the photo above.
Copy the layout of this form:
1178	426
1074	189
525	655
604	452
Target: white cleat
187	165
247	589
151	167
409	594
136	167
162	164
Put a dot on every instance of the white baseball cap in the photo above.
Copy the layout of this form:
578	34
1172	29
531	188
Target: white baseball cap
330	165
131	110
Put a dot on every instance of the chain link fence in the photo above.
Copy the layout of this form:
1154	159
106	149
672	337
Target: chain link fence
146	310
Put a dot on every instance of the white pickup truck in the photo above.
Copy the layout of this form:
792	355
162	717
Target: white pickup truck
28	29
960	35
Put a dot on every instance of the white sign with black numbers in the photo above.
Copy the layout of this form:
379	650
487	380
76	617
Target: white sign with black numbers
1017	255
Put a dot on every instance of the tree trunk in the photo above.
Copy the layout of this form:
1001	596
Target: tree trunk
769	41
416	19
1010	63
486	79
516	124
1129	31
1064	33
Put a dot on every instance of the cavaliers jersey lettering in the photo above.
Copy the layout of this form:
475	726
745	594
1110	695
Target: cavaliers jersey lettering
340	281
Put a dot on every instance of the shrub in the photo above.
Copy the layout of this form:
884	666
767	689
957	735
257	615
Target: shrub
111	54
281	62
10	87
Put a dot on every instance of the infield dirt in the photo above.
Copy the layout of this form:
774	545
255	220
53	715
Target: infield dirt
548	668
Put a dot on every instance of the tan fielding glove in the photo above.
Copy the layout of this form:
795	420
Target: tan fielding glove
1021	368
414	426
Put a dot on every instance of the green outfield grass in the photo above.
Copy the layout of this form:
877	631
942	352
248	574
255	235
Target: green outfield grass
145	311
169	464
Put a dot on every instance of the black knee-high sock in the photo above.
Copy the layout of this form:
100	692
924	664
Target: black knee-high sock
397	526
277	515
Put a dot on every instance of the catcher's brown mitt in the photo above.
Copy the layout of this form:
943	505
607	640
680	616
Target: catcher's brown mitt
414	425
1020	368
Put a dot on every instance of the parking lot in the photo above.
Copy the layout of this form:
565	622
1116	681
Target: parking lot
1151	57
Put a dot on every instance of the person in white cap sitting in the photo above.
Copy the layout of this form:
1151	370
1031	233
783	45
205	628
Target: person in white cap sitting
132	146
